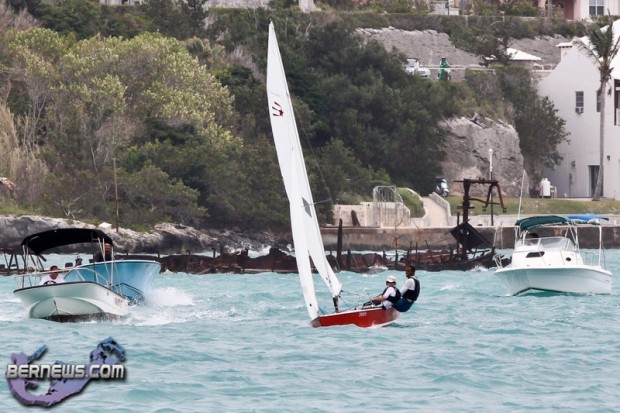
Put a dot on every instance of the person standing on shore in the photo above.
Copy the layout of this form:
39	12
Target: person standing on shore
410	290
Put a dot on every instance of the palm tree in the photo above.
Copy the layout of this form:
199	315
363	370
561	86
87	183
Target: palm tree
602	47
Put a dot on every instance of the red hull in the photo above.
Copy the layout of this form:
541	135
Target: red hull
369	317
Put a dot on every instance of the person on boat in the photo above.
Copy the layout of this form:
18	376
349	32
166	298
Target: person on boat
390	295
53	277
410	290
105	256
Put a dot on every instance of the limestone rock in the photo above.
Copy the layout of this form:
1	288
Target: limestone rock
164	239
467	154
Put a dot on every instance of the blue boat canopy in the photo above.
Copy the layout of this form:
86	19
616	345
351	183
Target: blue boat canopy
587	218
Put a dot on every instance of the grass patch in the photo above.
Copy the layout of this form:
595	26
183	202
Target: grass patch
9	207
533	206
411	201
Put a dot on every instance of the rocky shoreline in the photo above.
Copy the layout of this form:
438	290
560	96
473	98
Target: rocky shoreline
163	239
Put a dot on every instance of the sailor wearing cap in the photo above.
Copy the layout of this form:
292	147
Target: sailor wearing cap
390	295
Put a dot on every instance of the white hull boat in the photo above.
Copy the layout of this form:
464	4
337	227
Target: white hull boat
99	290
554	264
73	301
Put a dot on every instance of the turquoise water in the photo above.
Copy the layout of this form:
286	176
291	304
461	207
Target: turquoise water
241	343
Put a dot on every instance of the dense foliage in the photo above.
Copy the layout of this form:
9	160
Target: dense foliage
178	119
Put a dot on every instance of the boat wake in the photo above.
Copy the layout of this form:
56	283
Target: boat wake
168	297
162	306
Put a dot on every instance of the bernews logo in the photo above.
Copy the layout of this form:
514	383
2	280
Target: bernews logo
64	379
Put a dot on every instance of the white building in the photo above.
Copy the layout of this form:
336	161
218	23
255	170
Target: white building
583	9
572	87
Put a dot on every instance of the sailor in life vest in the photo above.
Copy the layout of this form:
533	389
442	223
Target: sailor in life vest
390	295
410	290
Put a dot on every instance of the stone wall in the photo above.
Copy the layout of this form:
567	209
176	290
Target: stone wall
386	239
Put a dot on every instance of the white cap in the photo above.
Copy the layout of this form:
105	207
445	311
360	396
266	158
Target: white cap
391	279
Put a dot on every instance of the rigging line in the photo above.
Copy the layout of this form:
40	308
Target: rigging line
316	162
325	201
347	292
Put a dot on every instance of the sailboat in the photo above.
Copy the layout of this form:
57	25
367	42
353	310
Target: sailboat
305	226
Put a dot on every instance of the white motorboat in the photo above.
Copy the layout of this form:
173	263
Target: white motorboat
555	264
90	291
73	301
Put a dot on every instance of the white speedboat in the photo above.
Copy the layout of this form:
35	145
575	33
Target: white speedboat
555	264
90	291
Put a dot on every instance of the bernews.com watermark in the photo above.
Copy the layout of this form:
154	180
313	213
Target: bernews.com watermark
65	371
27	379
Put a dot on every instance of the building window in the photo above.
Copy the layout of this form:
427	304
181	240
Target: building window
597	8
579	102
617	101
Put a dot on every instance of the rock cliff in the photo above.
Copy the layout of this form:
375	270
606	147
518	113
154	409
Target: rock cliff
164	239
429	46
467	149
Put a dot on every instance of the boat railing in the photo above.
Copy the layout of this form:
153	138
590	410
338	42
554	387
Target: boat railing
34	276
498	261
136	295
87	273
70	274
593	258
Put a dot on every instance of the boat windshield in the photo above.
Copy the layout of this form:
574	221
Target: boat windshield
550	243
558	243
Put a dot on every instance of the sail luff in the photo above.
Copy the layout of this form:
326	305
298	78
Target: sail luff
305	227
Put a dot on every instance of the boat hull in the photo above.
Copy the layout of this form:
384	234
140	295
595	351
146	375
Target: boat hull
366	318
130	278
573	280
72	301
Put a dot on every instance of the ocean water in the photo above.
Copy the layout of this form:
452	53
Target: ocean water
242	343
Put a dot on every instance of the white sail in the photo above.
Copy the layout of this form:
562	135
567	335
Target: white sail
304	223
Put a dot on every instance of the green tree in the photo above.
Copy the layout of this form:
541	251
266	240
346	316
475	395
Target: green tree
93	97
80	17
536	119
151	195
172	18
361	96
602	47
